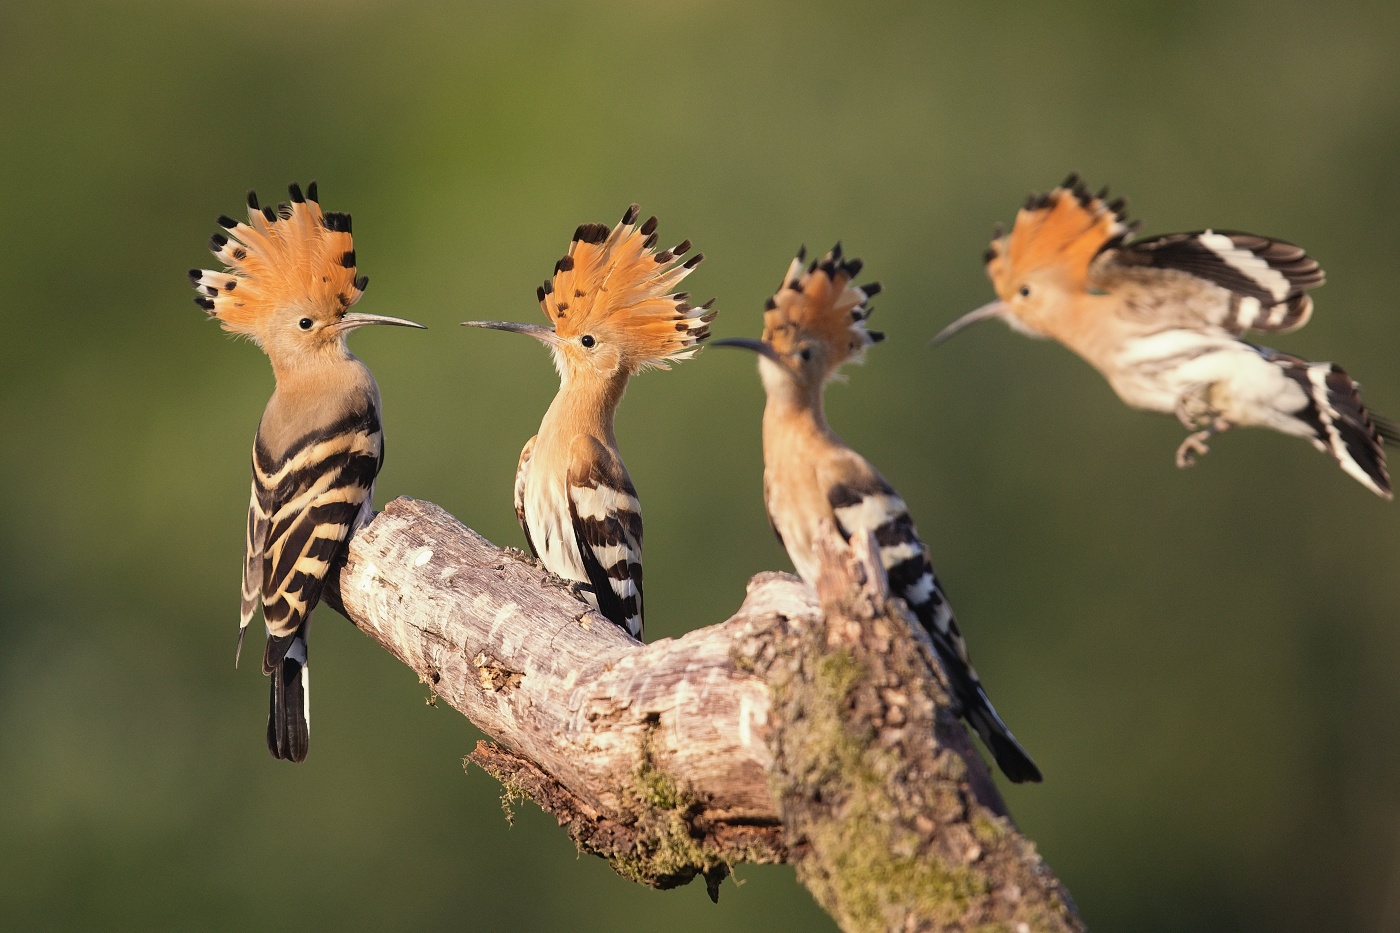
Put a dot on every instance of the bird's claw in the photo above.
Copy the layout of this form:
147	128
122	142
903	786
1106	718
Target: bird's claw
1193	447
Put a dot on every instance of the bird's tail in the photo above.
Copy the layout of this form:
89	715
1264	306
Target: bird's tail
1339	423
982	716
912	579
289	712
1388	430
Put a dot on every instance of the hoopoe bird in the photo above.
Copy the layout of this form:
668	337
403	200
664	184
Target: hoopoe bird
1164	319
612	315
811	327
288	284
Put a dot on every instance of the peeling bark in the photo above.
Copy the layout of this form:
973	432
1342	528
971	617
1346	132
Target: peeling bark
802	730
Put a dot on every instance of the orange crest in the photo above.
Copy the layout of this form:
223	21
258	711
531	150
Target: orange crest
614	282
1066	228
821	302
290	258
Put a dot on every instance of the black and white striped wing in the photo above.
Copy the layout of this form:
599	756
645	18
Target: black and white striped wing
254	542
522	472
607	521
863	503
312	497
1264	281
1340	425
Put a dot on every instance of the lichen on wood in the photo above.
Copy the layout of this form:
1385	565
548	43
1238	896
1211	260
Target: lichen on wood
815	731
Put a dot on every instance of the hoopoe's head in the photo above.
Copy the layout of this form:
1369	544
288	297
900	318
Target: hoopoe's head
814	324
289	280
1043	264
610	305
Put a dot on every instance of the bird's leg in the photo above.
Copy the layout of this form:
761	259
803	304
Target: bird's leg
1194	410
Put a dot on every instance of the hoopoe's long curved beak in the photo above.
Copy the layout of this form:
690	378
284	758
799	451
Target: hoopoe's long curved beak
352	321
762	348
539	332
994	309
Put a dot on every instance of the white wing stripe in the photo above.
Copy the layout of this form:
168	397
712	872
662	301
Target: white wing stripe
610	555
922	589
899	553
1247	263
870	512
599	502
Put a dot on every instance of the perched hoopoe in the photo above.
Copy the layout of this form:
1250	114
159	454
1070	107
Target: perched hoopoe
289	285
813	325
1163	318
612	317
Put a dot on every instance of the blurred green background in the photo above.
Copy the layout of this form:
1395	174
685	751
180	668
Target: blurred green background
1203	663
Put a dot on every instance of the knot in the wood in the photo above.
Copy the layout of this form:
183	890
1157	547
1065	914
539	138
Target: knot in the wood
495	676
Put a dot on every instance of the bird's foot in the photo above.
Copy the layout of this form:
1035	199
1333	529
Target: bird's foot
1194	408
1193	447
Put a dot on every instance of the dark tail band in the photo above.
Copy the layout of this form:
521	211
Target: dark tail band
288	717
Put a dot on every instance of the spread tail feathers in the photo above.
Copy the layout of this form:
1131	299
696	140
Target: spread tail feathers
1340	425
289	712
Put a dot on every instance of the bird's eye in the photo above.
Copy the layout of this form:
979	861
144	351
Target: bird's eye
805	353
587	341
305	323
1025	291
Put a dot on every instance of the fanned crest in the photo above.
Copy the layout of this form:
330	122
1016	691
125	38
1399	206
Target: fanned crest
1066	228
287	257
615	280
820	301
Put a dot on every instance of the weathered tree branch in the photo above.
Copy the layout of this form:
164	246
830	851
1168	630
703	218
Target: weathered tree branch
815	732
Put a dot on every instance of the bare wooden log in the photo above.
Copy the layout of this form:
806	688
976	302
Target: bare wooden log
797	730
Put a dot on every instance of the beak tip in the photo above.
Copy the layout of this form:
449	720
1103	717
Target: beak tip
761	347
994	309
539	332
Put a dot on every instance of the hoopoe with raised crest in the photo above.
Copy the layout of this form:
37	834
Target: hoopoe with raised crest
612	315
288	284
1164	319
811	327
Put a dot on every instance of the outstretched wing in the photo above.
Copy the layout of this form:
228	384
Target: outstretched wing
311	497
863	503
1261	283
522	471
607	521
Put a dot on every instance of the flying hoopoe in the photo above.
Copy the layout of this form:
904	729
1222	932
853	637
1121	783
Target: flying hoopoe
811	327
612	317
289	283
1163	320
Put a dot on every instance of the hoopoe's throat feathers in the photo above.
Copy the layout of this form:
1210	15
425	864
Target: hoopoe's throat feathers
614	286
819	302
1062	230
292	259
